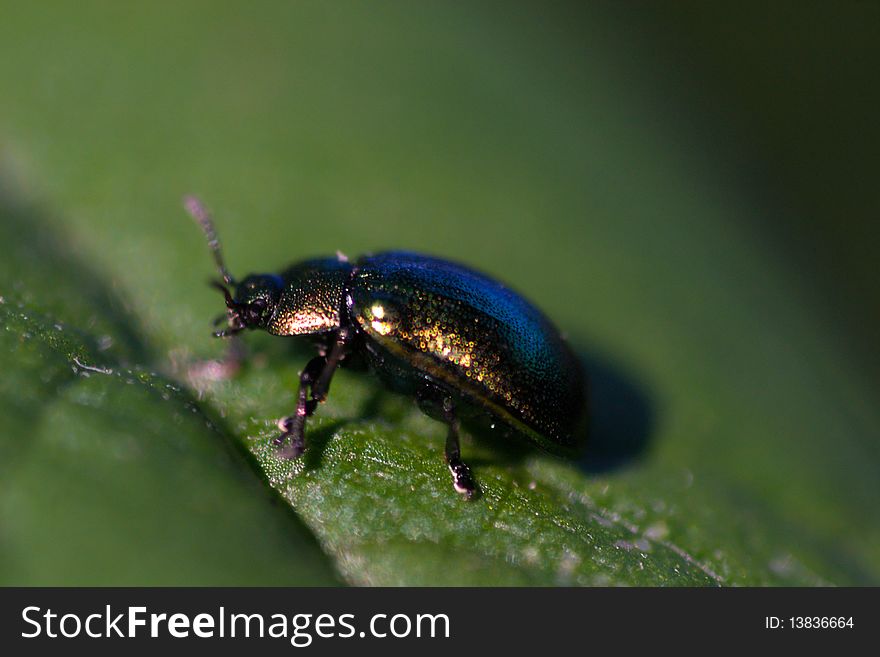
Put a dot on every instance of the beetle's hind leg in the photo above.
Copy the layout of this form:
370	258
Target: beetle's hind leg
462	480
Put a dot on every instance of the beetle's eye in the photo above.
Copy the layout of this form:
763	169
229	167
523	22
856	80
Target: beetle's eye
255	310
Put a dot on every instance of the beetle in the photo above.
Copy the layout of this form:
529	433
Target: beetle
457	340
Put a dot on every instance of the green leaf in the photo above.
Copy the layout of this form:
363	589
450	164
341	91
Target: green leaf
375	489
733	441
111	474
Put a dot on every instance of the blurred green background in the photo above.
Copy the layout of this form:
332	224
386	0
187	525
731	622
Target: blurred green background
687	190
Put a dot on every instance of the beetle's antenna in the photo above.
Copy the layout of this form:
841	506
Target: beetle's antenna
226	295
197	211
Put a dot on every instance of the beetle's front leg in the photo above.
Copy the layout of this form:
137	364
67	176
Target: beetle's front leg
294	426
315	379
337	354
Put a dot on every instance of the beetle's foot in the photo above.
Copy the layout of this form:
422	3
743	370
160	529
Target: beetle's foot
290	443
462	480
292	449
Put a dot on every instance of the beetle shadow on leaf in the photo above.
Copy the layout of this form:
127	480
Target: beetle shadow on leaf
622	417
318	438
621	423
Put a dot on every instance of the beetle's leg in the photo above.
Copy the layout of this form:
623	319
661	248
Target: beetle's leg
338	352
294	425
462	480
314	382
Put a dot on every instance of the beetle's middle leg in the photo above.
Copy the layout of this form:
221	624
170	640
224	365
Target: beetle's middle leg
314	382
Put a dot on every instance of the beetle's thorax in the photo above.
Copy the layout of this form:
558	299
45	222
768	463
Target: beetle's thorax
312	298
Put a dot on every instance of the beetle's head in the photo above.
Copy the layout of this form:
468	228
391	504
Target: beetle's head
255	297
253	304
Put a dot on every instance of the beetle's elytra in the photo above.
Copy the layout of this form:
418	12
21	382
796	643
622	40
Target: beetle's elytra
456	340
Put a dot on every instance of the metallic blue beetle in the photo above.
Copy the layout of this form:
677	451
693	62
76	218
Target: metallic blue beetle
456	340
